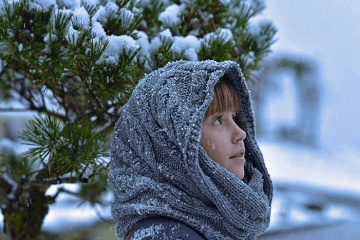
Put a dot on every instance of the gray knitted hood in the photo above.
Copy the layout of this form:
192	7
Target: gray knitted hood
158	166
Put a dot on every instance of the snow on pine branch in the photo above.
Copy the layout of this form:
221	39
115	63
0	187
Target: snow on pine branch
171	14
188	46
117	44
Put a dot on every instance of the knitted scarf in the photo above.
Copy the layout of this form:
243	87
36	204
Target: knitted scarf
159	168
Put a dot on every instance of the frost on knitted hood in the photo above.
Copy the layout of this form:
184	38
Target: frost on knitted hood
158	166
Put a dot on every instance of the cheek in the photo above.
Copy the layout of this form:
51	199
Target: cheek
204	142
211	147
203	133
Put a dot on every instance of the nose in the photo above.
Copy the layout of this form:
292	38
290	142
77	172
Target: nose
238	134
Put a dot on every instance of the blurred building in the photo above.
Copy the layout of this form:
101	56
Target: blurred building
302	91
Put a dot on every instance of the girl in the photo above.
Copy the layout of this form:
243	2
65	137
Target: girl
185	163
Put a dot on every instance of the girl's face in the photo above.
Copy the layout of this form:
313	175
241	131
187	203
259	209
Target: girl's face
222	139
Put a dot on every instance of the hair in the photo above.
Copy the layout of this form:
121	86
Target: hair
225	98
128	233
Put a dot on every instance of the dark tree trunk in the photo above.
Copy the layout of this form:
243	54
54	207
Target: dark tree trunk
24	218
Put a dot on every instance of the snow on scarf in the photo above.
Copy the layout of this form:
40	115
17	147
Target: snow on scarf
159	168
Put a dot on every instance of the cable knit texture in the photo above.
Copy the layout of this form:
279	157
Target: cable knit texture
159	168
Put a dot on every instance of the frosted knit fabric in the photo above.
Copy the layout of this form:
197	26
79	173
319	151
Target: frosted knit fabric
159	168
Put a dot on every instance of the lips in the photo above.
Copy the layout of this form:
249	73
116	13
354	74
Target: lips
239	154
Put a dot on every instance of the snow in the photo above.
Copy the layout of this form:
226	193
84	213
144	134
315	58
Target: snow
306	173
58	219
143	42
72	33
171	14
100	14
91	2
63	11
110	7
334	168
50	102
126	17
147	232
290	213
69	4
223	33
9	1
117	43
82	17
98	29
14	104
156	43
245	5
225	2
49	37
20	47
296	206
190	44
255	23
136	10
43	4
249	58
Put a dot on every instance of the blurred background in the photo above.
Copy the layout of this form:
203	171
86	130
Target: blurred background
307	118
309	96
307	107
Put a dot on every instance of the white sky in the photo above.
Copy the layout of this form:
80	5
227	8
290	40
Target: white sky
328	31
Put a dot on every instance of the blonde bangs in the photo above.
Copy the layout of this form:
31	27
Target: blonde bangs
225	98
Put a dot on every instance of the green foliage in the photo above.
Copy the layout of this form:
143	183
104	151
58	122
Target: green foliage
116	88
20	41
217	48
42	134
150	16
204	15
120	23
245	12
15	165
69	148
159	57
78	147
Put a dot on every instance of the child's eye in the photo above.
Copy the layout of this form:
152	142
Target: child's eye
218	118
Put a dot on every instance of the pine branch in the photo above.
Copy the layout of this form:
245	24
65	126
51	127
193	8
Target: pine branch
58	180
63	190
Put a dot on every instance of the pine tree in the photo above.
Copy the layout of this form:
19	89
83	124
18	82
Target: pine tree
76	63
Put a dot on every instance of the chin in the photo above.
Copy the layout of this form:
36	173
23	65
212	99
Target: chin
240	175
